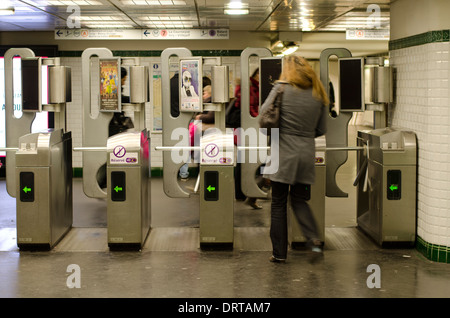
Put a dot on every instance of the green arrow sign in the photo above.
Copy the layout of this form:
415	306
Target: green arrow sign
26	189
117	189
210	188
393	187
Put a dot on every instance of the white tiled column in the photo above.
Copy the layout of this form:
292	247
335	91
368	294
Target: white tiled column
422	105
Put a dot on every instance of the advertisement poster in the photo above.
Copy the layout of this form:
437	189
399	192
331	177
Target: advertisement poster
191	86
110	85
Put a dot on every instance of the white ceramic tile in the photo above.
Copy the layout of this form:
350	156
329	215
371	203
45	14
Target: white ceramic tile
422	104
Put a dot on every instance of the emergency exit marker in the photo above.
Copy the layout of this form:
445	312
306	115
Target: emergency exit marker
210	188
26	189
117	189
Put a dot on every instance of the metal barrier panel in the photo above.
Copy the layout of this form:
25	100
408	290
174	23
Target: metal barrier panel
129	190
44	189
387	186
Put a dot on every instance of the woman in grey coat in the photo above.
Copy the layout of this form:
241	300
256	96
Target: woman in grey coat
302	119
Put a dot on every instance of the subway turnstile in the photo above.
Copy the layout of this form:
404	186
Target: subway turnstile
386	186
316	203
43	189
217	190
129	200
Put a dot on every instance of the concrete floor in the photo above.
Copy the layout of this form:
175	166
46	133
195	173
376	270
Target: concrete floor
171	264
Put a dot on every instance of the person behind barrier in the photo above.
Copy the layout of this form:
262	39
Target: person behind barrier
302	119
207	118
254	93
254	111
120	123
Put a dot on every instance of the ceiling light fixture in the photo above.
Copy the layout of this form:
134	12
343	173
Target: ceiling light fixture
290	50
236	8
7	11
236	11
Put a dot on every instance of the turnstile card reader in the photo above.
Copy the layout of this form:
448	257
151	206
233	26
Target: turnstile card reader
386	189
316	201
128	184
44	190
217	189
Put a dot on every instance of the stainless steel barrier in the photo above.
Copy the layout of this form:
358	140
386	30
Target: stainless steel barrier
386	186
129	195
43	189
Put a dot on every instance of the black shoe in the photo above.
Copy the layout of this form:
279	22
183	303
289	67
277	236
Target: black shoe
273	259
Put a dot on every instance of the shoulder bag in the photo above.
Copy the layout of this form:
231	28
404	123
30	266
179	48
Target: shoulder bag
270	116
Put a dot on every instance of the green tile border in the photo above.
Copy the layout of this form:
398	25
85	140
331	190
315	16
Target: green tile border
420	39
156	53
433	252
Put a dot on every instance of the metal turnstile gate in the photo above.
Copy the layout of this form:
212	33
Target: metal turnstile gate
386	186
129	195
217	190
43	189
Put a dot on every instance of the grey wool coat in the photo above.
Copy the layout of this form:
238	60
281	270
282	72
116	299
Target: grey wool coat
302	119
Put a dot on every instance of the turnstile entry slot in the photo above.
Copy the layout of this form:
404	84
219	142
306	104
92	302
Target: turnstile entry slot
394	185
211	185
27	186
118	186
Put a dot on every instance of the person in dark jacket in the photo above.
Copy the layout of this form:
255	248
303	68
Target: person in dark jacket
302	118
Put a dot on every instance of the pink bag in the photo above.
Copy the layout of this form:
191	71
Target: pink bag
192	131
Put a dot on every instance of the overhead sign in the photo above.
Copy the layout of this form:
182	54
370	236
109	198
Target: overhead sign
97	34
367	34
185	34
141	34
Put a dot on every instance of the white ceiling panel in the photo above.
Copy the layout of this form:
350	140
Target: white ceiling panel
264	15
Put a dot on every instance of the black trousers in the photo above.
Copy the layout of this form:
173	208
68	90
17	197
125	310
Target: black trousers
278	228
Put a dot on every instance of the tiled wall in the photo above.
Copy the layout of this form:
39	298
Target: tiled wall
422	105
74	109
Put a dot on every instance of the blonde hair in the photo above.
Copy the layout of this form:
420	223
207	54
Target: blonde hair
297	71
